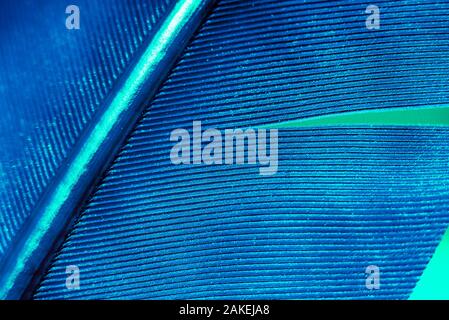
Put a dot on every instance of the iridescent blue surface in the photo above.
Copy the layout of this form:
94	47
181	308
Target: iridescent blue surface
52	81
343	198
99	142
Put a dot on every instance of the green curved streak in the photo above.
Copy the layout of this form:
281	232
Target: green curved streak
420	116
434	282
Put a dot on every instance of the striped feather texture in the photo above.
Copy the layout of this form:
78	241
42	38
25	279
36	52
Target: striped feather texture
342	199
52	81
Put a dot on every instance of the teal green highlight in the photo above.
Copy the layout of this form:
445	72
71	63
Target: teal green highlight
421	116
434	282
153	54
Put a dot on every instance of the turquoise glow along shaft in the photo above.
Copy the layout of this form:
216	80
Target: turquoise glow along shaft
99	143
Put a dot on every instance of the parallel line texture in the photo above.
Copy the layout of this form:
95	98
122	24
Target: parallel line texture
342	199
52	81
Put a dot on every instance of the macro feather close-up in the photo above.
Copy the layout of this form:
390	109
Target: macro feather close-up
224	150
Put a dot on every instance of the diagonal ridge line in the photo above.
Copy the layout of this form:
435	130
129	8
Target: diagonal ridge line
21	266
